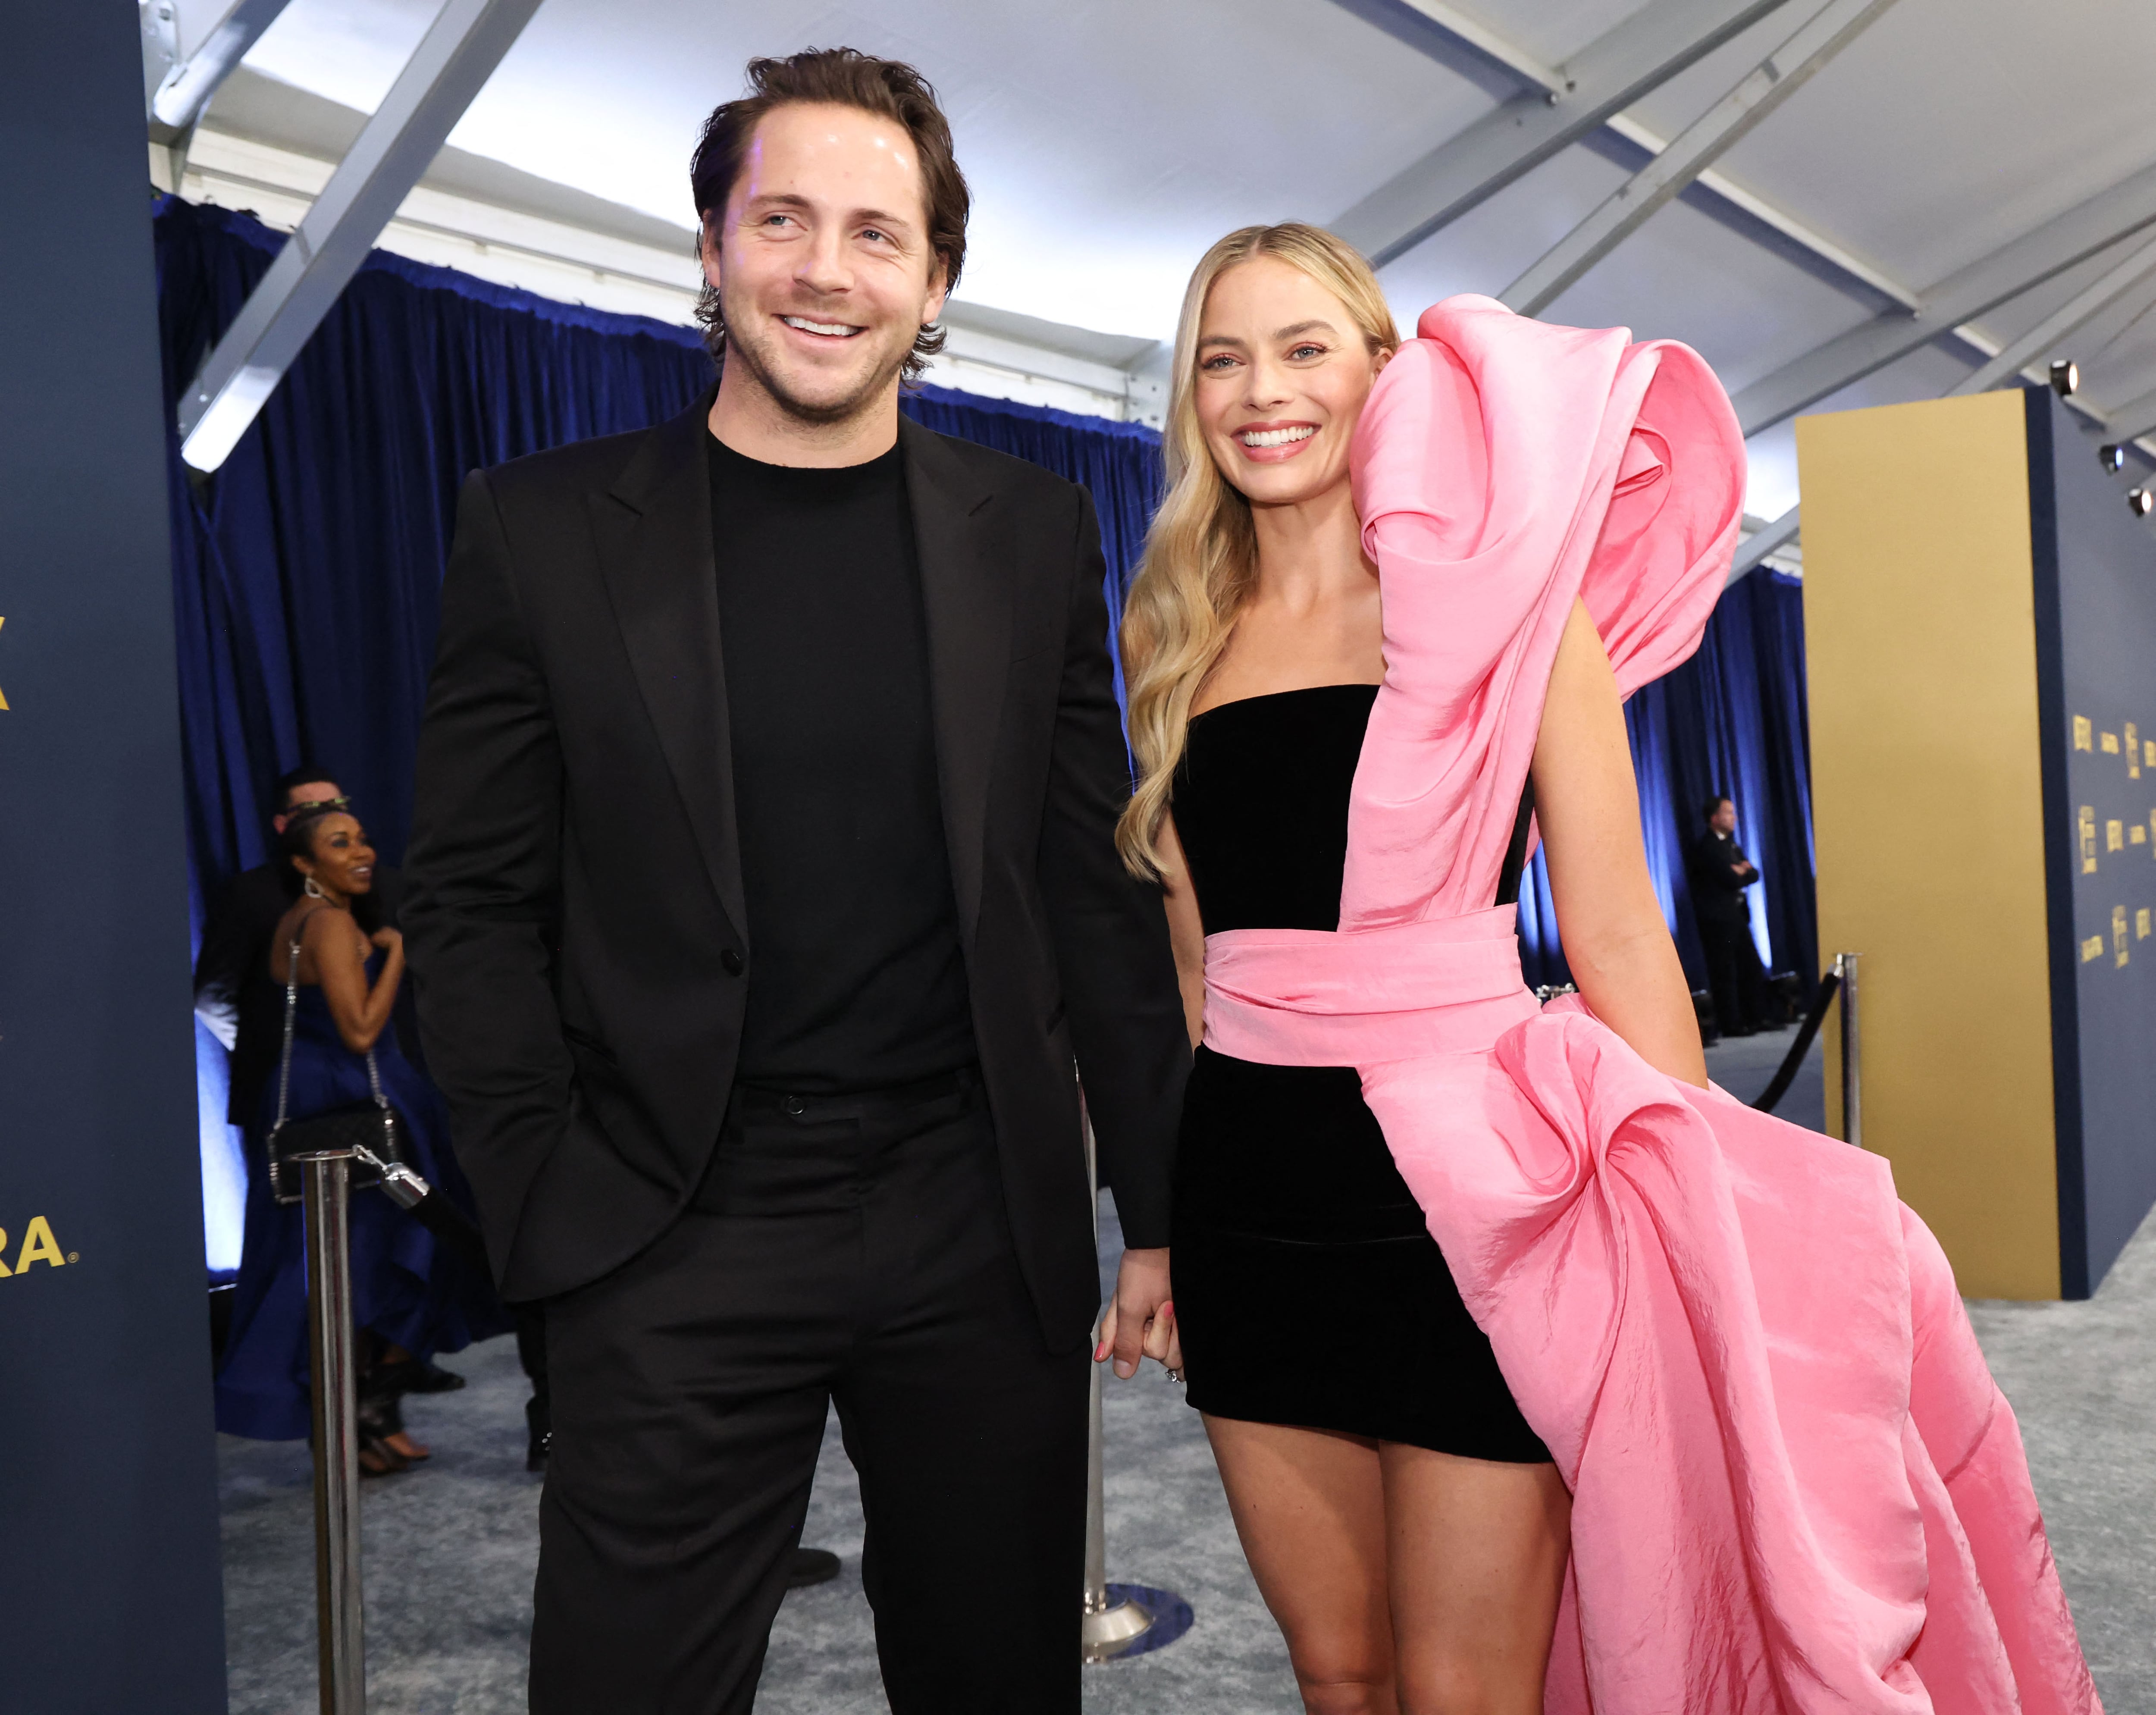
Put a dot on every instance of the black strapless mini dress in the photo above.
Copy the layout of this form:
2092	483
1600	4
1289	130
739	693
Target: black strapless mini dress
1307	1290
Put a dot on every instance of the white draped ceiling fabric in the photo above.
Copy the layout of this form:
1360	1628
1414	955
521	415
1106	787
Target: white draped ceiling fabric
1108	141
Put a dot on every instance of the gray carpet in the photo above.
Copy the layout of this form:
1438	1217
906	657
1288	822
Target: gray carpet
449	1547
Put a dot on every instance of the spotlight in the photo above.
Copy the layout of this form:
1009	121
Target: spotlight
2142	502
2066	378
2112	457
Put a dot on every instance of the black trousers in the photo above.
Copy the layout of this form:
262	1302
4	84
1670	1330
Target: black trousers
852	1250
1733	973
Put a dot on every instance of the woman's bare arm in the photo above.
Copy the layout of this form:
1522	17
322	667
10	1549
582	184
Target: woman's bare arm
1186	930
332	940
1588	804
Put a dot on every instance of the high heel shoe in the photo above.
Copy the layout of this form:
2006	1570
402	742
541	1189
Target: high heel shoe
380	1427
378	1458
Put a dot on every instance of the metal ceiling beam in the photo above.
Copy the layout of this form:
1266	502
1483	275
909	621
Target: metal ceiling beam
1715	190
2133	419
185	90
160	20
453	63
1616	70
2084	231
1473	33
1762	543
2063	323
1763	90
2005	370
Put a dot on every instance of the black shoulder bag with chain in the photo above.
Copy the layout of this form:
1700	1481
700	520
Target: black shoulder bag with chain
374	1124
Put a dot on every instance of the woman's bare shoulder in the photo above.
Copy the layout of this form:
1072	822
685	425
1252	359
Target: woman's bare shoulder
298	924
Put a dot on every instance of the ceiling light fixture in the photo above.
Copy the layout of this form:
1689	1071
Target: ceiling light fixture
2142	502
2066	378
2112	457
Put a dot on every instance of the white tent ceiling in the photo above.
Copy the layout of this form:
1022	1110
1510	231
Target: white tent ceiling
1108	141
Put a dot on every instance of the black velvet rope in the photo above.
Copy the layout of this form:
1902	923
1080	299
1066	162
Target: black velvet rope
447	1222
1787	1074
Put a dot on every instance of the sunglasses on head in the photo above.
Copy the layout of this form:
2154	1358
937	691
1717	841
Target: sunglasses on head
314	806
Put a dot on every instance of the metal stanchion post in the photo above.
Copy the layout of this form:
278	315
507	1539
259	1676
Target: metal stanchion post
1852	1053
1116	1622
1113	1623
340	1623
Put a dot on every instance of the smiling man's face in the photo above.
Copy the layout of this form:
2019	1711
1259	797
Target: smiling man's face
822	261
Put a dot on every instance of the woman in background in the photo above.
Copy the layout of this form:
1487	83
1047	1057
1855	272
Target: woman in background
1539	1374
411	1299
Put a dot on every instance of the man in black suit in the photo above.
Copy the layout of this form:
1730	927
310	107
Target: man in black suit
1720	874
764	909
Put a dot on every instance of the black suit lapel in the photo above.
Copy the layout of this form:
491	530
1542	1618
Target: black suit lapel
655	531
966	595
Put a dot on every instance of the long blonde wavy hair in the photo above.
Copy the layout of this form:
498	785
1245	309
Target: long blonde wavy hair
1200	559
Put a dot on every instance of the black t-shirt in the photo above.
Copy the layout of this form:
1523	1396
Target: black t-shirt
856	981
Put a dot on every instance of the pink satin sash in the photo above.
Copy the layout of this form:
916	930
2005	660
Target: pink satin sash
1317	997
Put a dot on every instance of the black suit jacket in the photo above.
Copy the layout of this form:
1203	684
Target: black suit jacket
575	917
1717	890
232	980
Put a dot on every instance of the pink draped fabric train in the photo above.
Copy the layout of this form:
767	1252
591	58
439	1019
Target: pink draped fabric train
1795	1485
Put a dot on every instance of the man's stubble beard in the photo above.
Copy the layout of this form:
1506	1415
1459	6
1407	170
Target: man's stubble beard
766	375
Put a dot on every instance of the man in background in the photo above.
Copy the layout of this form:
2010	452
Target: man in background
1720	874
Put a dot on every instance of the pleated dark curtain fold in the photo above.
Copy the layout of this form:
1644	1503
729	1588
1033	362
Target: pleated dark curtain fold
1729	720
306	572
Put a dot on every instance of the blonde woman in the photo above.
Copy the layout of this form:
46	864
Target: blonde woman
1539	1373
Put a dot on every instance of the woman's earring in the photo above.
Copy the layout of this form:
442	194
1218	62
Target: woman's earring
314	889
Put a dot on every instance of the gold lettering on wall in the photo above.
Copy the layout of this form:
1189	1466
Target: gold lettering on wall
2141	924
2149	753
2132	753
2093	949
2114	836
2119	933
38	1246
2088	839
2108	741
2136	835
2082	732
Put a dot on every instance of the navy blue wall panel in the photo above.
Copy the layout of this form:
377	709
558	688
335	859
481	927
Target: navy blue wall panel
2095	602
109	1593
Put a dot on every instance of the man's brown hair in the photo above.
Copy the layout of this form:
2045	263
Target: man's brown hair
842	77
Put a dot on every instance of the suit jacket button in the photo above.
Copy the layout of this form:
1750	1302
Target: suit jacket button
732	961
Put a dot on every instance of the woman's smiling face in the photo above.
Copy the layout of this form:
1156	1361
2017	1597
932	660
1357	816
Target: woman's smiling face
1282	376
339	858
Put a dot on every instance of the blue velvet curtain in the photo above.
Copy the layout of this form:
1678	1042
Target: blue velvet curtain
1119	462
305	575
1730	721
